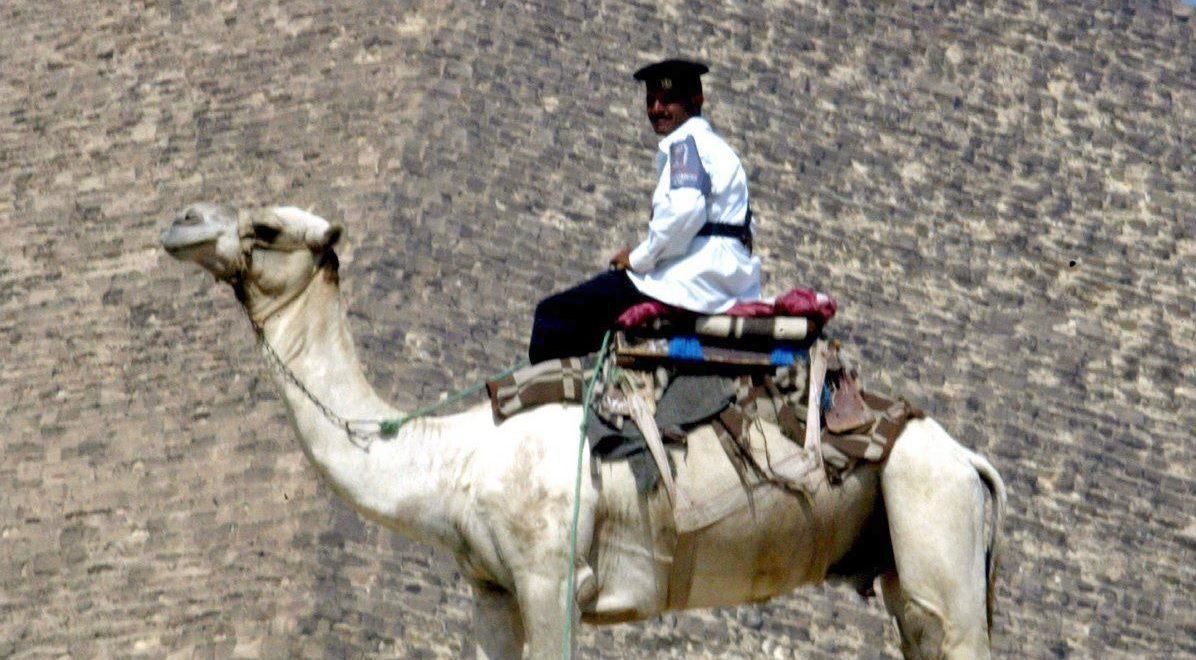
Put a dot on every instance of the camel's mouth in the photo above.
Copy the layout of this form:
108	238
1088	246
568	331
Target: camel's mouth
194	235
178	239
190	229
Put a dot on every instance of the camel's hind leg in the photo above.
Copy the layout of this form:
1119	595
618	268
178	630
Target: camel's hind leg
935	503
921	629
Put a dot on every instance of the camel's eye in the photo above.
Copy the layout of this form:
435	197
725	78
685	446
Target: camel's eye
265	233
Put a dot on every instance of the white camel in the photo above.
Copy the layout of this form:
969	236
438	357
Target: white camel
500	496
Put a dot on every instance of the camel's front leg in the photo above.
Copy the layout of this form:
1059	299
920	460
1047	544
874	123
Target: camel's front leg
497	624
542	599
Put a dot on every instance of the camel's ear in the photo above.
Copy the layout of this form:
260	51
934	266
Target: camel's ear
334	233
328	238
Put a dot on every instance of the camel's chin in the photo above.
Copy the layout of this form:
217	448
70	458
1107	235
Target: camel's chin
201	253
204	255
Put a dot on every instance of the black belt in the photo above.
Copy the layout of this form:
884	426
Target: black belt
742	232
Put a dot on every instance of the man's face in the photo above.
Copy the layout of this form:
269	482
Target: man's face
667	110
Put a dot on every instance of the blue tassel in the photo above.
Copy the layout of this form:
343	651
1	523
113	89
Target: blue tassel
782	356
686	348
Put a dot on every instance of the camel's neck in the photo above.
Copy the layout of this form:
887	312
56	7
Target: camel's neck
391	482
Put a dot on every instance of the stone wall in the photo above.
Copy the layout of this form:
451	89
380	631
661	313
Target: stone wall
1001	194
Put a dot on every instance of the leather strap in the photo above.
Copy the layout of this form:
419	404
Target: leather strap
681	573
818	356
741	232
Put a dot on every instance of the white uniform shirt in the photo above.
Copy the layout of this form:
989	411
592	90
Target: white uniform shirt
706	274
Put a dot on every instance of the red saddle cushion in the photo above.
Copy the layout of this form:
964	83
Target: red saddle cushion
807	303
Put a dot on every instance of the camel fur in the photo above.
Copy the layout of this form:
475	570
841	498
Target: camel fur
500	496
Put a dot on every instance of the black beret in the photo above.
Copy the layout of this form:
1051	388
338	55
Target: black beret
670	73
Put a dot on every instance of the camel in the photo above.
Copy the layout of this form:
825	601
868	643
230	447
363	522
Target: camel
500	497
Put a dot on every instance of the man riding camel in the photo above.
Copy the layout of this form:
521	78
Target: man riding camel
698	253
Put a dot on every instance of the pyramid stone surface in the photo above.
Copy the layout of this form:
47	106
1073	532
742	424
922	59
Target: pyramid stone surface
1001	194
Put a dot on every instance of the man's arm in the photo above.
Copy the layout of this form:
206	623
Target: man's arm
679	214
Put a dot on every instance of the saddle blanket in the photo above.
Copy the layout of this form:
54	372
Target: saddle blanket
686	399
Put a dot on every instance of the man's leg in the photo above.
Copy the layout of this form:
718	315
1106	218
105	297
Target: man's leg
572	322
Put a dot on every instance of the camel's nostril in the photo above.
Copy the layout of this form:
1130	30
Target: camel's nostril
191	217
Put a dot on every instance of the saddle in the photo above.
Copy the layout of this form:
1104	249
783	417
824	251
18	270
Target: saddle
758	361
750	335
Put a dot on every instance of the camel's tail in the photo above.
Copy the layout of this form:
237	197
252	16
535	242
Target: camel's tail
996	488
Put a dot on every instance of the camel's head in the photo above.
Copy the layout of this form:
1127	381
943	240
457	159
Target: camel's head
269	255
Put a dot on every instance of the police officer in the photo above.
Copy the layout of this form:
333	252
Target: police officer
697	255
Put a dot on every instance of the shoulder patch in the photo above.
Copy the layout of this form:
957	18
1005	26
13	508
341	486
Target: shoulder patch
685	166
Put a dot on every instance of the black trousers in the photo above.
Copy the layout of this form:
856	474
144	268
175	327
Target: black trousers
572	322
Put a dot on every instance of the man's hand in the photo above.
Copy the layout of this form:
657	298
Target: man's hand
622	259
